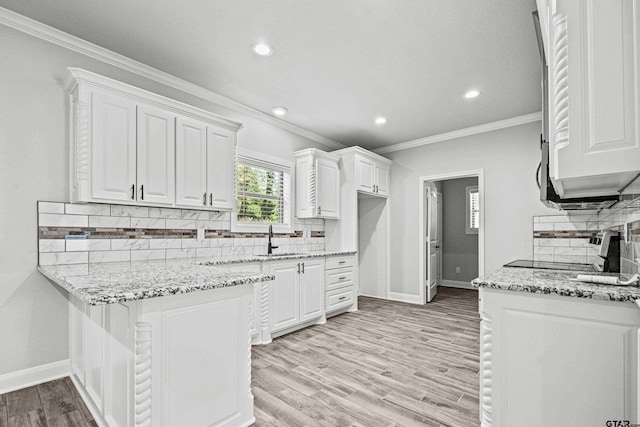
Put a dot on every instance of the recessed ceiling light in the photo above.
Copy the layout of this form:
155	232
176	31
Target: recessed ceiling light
262	49
380	120
471	94
279	111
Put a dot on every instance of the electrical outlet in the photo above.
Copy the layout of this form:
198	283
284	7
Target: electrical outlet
457	269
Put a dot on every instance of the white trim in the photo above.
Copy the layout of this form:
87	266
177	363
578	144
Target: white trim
76	44
91	406
456	284
402	297
473	130
421	246
32	376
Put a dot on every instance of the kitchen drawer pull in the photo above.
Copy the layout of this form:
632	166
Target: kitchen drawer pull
341	298
342	262
342	277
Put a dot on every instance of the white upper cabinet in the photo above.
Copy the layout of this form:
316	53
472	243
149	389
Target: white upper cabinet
372	175
155	155
131	146
110	162
593	52
317	184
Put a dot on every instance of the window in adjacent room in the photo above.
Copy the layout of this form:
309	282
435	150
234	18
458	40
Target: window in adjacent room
473	210
263	193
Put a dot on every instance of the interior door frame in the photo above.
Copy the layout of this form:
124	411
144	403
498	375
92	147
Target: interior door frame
422	183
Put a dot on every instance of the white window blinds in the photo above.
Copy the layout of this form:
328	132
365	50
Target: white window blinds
262	191
473	210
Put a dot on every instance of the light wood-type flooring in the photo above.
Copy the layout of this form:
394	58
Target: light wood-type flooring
389	364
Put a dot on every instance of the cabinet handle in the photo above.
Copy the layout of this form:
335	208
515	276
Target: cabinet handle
204	199
303	268
142	192
342	277
341	298
342	262
210	199
133	191
319	210
298	268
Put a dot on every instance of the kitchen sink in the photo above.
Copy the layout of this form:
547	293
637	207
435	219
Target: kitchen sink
285	254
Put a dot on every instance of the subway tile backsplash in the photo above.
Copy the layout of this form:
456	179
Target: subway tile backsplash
565	237
99	233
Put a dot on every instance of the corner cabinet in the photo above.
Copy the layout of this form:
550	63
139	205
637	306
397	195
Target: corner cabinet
317	184
134	147
296	296
593	52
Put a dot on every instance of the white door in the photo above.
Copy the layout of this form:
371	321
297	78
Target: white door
156	155
433	240
221	145
191	163
311	289
382	180
284	294
365	174
327	188
113	148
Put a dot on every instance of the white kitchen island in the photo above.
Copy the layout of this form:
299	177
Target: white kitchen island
554	352
160	343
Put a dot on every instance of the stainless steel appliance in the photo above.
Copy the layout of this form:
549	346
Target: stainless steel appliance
550	265
548	194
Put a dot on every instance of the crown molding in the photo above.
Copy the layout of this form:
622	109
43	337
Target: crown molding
473	130
44	32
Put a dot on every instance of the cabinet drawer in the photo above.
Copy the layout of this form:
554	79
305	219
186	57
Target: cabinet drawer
339	278
339	298
340	262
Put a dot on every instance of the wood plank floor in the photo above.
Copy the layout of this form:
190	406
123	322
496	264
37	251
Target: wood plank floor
389	364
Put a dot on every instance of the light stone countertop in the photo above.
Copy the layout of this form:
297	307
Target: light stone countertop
556	282
109	283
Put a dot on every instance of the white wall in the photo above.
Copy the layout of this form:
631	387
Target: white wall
509	158
34	166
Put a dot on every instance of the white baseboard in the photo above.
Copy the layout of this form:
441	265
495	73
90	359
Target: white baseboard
32	376
410	298
456	284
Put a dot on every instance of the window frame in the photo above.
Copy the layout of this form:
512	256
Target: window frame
244	155
468	190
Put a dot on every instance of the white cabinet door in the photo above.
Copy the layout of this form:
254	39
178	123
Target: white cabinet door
113	148
365	174
191	163
284	296
156	156
221	145
594	96
382	180
311	289
327	188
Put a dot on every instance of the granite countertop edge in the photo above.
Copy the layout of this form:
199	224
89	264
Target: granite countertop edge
554	282
274	257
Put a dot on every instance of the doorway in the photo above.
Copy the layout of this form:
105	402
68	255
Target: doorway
451	224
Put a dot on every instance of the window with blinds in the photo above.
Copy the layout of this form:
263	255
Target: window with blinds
473	210
262	192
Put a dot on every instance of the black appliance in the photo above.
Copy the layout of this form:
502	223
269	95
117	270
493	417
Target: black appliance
550	265
548	194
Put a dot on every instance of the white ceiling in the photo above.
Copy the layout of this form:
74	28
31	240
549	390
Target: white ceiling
337	64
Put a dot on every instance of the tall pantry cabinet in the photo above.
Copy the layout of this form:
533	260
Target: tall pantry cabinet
364	217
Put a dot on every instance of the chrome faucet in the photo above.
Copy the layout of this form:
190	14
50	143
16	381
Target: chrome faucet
270	247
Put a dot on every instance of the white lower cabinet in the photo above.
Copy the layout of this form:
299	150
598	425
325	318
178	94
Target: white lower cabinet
296	295
550	360
340	279
179	360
